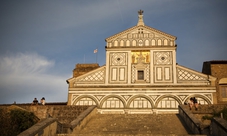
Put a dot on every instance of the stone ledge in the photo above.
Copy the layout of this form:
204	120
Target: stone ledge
38	127
80	118
222	122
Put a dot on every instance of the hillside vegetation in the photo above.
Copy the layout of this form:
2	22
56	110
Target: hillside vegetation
14	120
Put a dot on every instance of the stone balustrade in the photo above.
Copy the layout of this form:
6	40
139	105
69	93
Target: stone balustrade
217	127
58	119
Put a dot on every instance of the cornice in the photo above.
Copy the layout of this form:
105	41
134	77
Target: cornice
136	27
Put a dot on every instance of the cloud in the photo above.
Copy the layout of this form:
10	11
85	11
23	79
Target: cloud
24	64
28	75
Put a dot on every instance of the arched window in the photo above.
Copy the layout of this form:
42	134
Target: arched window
113	103
115	43
168	102
140	102
121	43
153	42
165	42
127	43
223	89
146	42
85	101
159	42
134	43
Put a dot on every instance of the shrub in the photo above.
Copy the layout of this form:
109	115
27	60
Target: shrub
15	120
216	114
206	117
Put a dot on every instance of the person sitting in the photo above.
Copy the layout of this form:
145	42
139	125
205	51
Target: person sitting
42	101
190	103
35	101
195	102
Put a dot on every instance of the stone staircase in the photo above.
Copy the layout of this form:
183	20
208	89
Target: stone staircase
133	125
66	114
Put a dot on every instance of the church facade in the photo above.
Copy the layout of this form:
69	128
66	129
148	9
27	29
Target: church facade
140	76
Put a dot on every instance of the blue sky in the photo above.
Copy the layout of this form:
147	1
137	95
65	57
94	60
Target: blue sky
41	41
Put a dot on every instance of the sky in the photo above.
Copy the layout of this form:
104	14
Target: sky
41	41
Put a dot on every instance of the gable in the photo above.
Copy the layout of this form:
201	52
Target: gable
94	76
140	36
185	75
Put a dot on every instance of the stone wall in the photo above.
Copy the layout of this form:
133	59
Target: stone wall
196	125
83	119
63	113
51	126
84	68
191	121
217	69
218	127
47	127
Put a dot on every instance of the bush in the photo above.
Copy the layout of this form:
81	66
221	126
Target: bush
206	117
14	121
216	114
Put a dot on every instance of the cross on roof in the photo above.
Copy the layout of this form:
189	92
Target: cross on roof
140	12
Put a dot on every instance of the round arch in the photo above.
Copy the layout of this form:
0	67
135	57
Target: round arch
223	81
134	42
159	42
165	42
134	98
200	98
115	101
86	100
122	43
168	100
115	43
153	42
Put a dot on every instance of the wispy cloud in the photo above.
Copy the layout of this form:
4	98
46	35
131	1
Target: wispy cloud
24	64
28	75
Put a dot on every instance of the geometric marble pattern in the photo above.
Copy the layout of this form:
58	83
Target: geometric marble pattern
209	96
97	76
126	97
146	70
99	97
163	57
182	97
154	97
147	73
186	75
133	74
118	59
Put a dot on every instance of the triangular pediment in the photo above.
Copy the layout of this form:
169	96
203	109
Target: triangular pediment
140	29
141	36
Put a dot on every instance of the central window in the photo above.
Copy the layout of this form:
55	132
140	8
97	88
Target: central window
141	75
